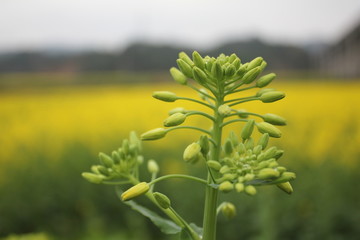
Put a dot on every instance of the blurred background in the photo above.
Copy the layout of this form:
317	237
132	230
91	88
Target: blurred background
76	76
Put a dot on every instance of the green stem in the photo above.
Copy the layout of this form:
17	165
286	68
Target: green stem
199	91
238	99
200	180
189	127
247	100
232	121
189	229
241	89
197	101
200	113
211	194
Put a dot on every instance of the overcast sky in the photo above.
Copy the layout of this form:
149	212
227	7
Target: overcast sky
111	24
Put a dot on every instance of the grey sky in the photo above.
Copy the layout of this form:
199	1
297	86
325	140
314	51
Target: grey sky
110	24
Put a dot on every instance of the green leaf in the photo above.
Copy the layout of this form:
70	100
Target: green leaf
184	235
165	225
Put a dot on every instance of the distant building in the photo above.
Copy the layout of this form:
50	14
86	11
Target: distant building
343	58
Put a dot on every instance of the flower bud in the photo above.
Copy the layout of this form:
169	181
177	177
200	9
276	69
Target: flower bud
137	190
239	187
106	160
177	110
242	70
265	80
255	63
185	68
230	71
199	75
224	169
174	119
178	76
204	144
274	119
249	177
198	60
249	143
228	147
183	56
251	75
162	200
270	153
257	149
285	177
247	129
191	153
250	190
286	187
103	171
224	110
263	141
93	178
228	210
265	127
152	166
217	71
234	139
264	90
232	58
272	96
278	154
214	164
242	113
154	134
226	186
236	63
263	65
267	173
165	96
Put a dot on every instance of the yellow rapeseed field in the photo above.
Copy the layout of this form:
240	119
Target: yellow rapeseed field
323	118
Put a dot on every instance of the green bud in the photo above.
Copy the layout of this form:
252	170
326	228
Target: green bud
226	186
203	94
265	80
224	169
256	62
239	187
106	160
93	178
217	71
228	210
265	127
241	148
230	71
116	157
234	139
134	140
228	147
257	149
198	60
249	143
177	110
224	110
154	134
199	75
214	164
270	153
251	75
125	146
274	119
162	200
281	169
263	65
135	191
208	65
204	144
232	58
285	177
263	141
272	96
103	171
94	169
229	176
247	129
236	63
165	96
249	177
152	166
242	70
185	68
267	173
242	113
286	187
278	154
178	76
250	190
264	90
191	153
183	56
174	119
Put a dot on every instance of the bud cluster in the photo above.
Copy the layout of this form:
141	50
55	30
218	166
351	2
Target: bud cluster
122	162
246	164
